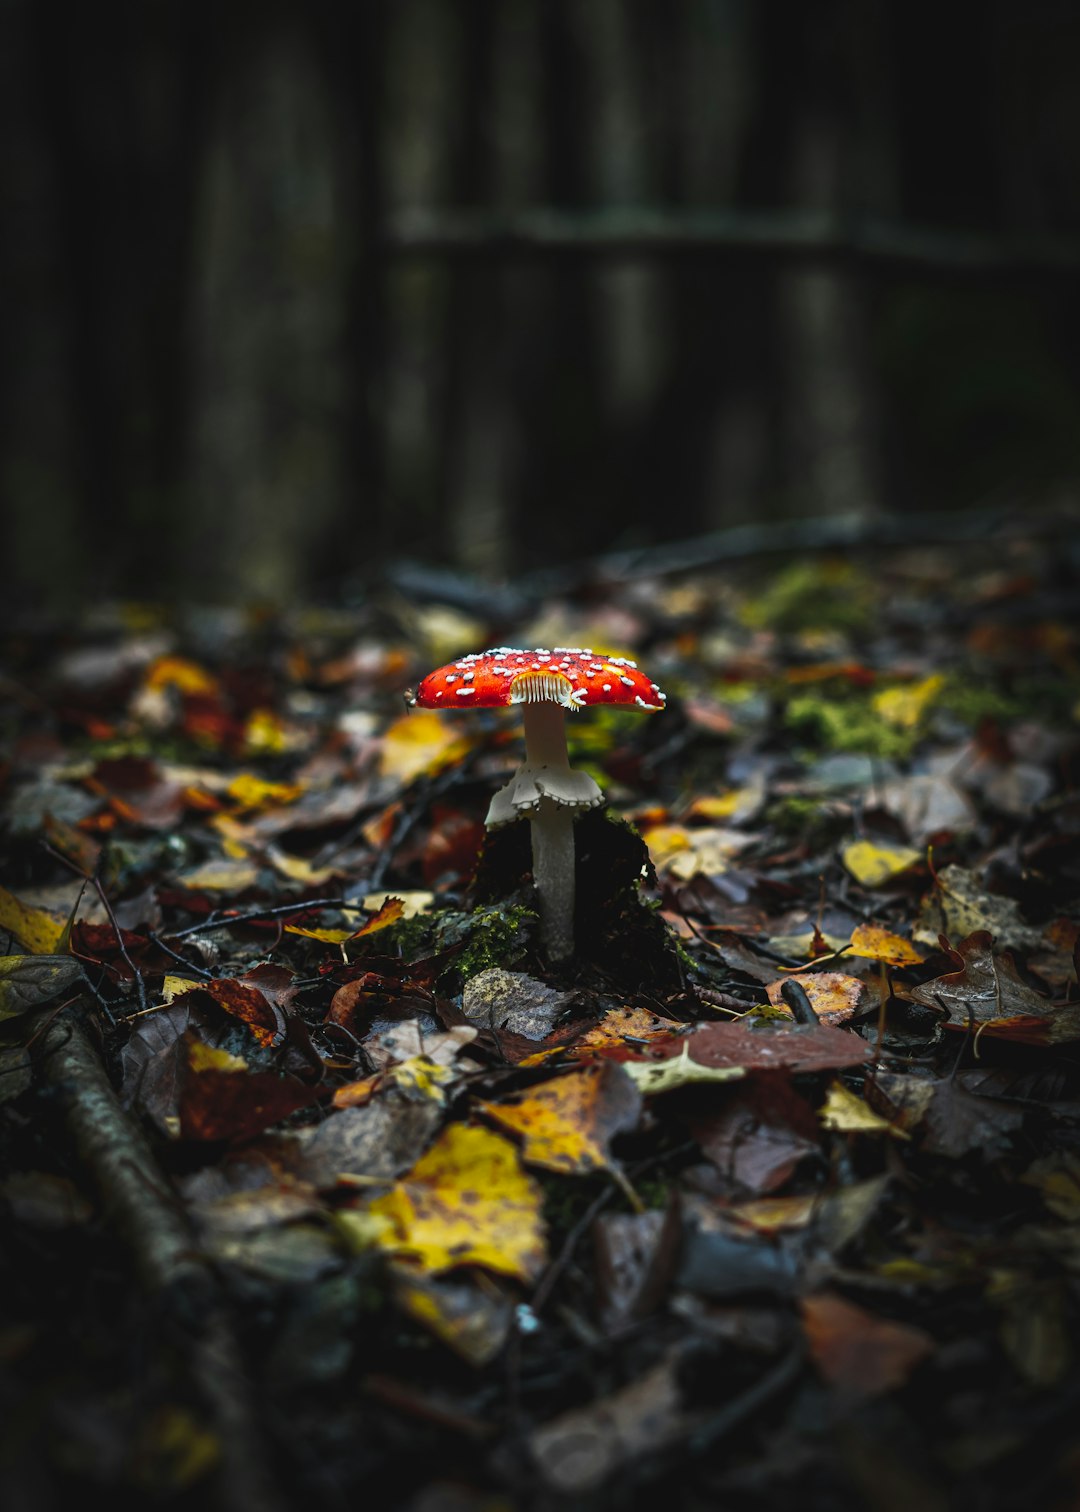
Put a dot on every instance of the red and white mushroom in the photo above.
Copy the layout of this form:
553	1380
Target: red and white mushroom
545	789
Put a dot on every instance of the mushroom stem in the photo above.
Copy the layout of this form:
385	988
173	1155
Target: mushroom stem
545	735
552	831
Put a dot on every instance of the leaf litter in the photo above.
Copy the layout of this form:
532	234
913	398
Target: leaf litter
768	1196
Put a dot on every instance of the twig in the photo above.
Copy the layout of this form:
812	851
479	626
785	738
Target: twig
140	985
138	1200
223	919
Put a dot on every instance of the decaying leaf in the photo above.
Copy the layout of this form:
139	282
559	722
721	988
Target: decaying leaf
834	997
958	905
28	981
986	989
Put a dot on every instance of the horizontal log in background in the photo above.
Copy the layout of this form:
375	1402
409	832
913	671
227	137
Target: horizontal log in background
291	292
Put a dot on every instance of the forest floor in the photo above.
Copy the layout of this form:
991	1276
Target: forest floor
320	1186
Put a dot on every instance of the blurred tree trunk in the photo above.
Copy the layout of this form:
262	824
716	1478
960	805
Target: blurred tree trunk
267	379
120	90
831	422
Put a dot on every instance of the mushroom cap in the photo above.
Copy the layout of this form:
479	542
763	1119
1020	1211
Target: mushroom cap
573	677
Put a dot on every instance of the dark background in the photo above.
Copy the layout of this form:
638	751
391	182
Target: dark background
278	311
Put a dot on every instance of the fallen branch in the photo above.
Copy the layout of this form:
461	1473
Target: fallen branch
140	1204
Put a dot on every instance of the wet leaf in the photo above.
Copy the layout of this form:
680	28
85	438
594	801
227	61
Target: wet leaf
470	1319
987	990
959	906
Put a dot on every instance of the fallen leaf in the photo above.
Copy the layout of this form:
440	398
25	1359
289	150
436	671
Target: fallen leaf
220	876
653	1078
1057	1179
958	905
987	990
391	910
834	997
222	1098
848	1113
579	1450
857	1351
472	1320
37	931
875	863
466	1202
874	943
802	1047
905	707
28	981
567	1124
420	744
250	793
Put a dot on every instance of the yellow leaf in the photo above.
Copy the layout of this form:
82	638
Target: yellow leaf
904	707
298	869
770	1215
421	744
467	1201
655	1077
412	903
203	1057
833	996
221	876
266	734
183	675
236	838
390	912
421	1076
175	986
567	1124
36	931
250	792
846	1112
872	864
327	936
877	944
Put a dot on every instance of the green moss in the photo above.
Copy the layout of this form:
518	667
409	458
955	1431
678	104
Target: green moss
494	934
848	724
972	699
826	594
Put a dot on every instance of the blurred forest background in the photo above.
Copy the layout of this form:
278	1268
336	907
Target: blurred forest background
292	292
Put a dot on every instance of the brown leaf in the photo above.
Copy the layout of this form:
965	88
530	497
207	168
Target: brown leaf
803	1047
986	989
222	1098
858	1352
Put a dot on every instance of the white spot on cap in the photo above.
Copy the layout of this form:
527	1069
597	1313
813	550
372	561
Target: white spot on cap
461	692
